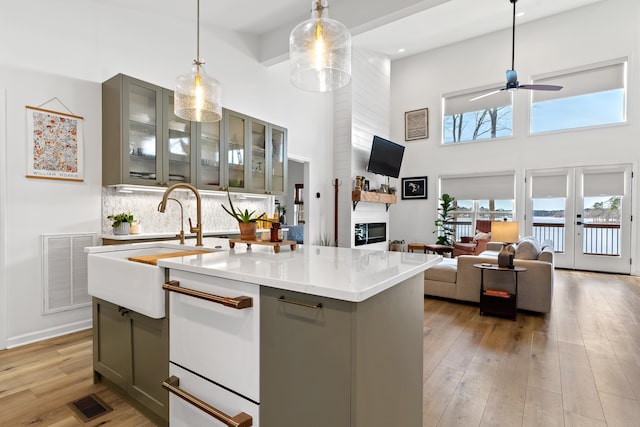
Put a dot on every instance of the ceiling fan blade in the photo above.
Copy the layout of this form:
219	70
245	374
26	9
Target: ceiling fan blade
486	94
540	87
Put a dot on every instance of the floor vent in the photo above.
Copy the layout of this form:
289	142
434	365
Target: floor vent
89	407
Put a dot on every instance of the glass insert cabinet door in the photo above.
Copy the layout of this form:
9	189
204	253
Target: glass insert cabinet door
179	145
236	150
209	167
258	157
144	134
278	156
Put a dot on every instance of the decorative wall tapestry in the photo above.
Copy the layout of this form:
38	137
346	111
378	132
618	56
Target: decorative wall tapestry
55	145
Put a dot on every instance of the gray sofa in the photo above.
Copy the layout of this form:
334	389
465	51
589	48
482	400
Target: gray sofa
456	278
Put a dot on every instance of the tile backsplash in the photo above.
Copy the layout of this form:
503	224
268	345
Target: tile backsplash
144	207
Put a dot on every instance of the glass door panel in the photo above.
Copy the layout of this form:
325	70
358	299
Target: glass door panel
277	160
235	151
179	146
258	157
210	154
143	133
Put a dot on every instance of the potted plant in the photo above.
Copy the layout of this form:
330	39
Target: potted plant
445	230
247	221
121	222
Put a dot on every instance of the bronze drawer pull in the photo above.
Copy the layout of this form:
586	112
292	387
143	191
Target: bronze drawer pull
241	420
237	302
316	306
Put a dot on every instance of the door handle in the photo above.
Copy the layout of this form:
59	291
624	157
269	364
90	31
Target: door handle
238	303
241	420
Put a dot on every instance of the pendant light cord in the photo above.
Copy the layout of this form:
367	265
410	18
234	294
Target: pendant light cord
197	61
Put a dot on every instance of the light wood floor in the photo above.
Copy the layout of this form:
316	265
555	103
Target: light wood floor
578	366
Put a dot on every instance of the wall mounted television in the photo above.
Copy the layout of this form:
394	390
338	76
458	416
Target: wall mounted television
385	158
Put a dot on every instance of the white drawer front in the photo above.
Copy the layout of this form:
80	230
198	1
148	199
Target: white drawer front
183	414
218	342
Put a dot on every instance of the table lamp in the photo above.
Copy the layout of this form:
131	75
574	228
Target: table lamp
507	233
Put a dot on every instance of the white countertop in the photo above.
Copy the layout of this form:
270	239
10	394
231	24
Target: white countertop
142	236
342	273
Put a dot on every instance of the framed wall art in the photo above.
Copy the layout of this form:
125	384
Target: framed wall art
55	145
416	124
414	188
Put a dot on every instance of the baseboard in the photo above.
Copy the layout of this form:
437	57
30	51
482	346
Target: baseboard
45	334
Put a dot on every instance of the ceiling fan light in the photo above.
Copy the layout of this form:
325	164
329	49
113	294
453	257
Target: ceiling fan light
197	96
320	52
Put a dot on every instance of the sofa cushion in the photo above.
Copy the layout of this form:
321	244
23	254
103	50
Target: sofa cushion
446	271
481	236
528	248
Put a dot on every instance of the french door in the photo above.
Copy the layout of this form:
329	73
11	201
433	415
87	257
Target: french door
586	211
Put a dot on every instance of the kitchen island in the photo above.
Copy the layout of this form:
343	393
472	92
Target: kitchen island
333	336
320	336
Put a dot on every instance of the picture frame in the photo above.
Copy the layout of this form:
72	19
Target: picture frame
414	188
416	124
54	145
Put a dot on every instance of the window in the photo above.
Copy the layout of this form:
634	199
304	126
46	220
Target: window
481	119
591	96
479	197
467	212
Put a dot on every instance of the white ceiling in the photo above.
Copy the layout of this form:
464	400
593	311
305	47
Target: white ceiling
381	25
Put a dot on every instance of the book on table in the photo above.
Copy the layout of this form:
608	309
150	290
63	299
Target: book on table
497	293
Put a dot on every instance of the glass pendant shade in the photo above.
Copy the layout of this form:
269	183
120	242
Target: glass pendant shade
197	96
320	52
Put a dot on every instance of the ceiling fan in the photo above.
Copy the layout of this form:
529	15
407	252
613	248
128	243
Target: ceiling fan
512	74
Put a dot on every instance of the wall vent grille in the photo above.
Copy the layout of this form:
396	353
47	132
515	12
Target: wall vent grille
65	282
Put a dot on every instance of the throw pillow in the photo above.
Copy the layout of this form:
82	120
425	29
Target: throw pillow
528	248
482	236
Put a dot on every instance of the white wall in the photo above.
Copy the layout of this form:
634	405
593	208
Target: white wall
599	32
38	206
77	44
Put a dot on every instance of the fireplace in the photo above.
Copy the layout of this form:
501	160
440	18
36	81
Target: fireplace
372	232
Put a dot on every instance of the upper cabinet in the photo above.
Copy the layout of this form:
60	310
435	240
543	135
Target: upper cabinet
145	143
256	153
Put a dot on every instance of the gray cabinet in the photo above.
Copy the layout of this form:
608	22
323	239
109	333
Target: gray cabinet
326	362
257	154
143	142
131	354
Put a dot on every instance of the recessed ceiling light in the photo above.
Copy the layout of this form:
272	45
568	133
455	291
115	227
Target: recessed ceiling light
519	14
401	50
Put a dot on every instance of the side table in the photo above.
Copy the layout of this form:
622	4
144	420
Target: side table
499	302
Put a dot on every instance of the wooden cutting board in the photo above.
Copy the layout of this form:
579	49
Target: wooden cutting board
153	259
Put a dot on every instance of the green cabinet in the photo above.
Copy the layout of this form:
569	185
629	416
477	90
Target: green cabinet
131	354
143	142
257	153
327	362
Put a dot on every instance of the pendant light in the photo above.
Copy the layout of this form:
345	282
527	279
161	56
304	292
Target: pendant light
197	96
320	52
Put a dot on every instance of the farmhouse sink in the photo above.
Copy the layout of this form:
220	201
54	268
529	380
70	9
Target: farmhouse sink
134	285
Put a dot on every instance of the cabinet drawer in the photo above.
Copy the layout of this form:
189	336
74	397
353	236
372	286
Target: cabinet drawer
183	413
215	341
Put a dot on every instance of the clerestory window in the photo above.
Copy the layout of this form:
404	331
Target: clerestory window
465	119
594	95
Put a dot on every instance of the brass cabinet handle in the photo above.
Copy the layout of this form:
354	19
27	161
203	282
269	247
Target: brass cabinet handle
301	304
239	303
241	420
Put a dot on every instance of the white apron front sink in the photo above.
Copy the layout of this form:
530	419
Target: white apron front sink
133	285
